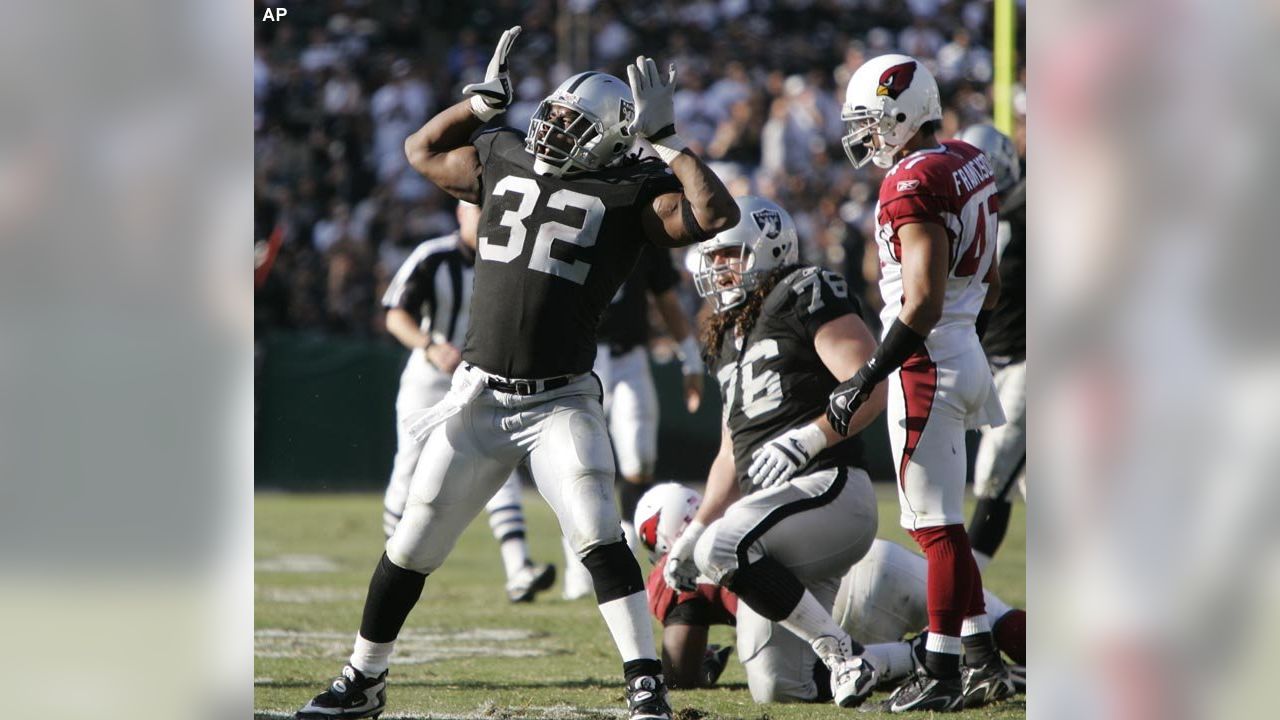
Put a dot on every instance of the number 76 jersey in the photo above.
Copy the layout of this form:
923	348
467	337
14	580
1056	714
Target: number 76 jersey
951	186
773	379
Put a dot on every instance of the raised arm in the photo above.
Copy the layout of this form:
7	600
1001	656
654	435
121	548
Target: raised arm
441	149
705	207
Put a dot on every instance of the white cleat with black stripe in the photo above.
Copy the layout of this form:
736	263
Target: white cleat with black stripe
351	695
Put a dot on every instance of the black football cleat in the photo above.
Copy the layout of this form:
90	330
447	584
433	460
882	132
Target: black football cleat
985	685
923	692
714	662
351	695
647	699
529	581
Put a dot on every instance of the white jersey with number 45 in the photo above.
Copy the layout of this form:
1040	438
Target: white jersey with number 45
951	186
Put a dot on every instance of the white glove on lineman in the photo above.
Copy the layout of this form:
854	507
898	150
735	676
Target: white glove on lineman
491	97
655	107
782	456
681	573
690	357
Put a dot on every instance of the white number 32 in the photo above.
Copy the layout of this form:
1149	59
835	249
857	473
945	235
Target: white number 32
548	233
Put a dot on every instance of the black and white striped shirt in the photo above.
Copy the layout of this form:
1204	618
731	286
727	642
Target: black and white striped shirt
434	285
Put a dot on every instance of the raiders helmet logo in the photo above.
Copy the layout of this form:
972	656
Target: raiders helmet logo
896	79
626	110
769	222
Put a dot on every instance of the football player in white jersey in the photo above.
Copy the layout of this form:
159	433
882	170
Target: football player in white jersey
936	220
428	305
565	211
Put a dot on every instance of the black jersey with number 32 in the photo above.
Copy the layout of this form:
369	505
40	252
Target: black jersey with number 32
774	380
551	254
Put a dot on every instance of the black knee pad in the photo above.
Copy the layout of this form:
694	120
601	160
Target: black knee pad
989	524
614	571
767	587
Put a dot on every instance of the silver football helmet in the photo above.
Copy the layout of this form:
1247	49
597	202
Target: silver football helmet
765	238
999	150
582	125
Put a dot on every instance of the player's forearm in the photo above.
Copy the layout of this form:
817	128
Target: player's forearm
404	327
721	491
448	130
712	205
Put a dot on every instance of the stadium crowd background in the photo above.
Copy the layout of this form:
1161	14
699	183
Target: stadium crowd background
340	84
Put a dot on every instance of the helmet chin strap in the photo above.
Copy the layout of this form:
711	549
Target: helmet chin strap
542	167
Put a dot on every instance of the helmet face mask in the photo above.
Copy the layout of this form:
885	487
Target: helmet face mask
866	137
732	264
581	126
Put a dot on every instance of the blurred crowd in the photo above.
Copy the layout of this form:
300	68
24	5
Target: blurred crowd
338	85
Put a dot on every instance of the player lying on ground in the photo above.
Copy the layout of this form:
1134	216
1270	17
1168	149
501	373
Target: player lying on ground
785	515
937	219
428	306
881	600
564	216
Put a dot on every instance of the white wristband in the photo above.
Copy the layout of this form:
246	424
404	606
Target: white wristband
812	438
690	356
669	147
482	110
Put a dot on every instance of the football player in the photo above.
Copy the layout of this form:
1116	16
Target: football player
787	510
937	220
1002	454
881	600
428	303
630	398
564	216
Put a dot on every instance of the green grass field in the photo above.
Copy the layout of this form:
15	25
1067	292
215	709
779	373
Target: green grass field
466	652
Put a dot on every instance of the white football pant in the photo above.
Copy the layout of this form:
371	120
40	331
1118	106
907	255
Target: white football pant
561	433
631	404
932	402
1002	454
816	525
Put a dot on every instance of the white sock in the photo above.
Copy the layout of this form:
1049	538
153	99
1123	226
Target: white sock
629	533
371	658
891	660
982	559
628	621
515	555
974	625
810	621
940	643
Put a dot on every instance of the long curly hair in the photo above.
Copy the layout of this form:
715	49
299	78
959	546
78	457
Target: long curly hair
741	318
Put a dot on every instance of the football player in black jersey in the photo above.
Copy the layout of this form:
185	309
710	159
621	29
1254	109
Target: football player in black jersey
1002	454
787	508
564	216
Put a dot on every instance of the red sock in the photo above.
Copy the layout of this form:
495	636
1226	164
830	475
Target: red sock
950	584
977	602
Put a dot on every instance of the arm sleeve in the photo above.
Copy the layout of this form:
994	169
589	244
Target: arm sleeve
490	142
410	288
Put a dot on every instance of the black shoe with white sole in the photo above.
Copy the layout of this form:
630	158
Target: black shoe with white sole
351	695
647	699
529	581
985	685
922	692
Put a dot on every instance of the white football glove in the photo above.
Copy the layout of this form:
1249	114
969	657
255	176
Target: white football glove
655	118
783	456
681	573
491	97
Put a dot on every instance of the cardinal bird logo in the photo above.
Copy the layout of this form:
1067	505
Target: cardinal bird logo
896	79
